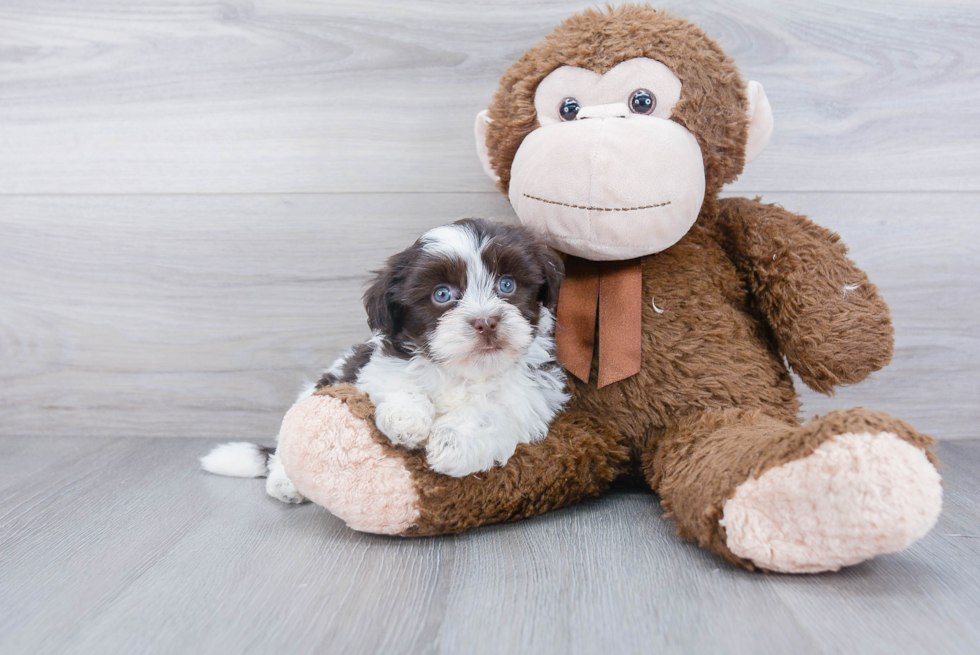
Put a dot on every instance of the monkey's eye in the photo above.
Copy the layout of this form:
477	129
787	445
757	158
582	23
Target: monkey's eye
569	109
642	102
442	295
506	285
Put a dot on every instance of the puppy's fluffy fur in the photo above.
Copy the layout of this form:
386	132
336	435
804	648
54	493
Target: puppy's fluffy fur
461	362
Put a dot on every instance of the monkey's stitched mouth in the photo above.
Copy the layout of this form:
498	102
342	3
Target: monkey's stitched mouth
601	209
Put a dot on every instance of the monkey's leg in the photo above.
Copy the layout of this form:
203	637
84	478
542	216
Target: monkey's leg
797	499
337	458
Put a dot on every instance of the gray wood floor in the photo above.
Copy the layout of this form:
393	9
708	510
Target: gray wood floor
191	197
118	545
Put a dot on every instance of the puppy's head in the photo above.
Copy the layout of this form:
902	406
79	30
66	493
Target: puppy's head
473	295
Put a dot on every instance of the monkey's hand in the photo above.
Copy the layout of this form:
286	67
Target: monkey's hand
827	317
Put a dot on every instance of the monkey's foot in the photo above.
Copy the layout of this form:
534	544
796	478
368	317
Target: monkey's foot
340	461
337	457
856	496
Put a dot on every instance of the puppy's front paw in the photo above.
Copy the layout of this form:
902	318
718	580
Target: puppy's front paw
405	418
456	449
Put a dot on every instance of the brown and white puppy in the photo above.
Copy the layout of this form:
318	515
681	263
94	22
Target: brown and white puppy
461	362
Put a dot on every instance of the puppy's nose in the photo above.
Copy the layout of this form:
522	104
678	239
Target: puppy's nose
485	324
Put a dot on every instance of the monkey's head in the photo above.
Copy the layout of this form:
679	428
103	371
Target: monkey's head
610	133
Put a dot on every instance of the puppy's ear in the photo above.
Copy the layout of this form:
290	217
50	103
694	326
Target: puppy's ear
384	311
554	271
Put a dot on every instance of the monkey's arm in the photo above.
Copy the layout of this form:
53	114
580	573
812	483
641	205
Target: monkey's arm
827	317
336	457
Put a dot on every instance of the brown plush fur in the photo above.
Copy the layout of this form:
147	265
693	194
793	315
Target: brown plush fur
828	318
748	285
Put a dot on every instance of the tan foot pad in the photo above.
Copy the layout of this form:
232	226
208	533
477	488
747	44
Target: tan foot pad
333	459
857	496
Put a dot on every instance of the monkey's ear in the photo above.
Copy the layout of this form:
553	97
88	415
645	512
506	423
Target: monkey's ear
760	121
482	122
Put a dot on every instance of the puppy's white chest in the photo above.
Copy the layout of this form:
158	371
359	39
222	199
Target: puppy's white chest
457	395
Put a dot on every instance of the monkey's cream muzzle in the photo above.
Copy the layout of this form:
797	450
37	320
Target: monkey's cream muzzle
607	186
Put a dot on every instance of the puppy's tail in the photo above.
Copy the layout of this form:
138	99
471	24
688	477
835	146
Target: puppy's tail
238	459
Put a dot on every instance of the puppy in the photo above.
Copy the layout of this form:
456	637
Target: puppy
461	362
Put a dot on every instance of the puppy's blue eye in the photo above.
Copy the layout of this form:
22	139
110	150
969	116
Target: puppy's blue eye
506	284
442	295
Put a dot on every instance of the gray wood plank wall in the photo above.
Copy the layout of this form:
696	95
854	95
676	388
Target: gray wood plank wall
192	194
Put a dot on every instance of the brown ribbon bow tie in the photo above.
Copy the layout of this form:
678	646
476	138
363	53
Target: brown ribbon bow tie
615	291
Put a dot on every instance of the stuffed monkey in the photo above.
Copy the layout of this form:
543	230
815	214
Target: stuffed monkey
678	320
